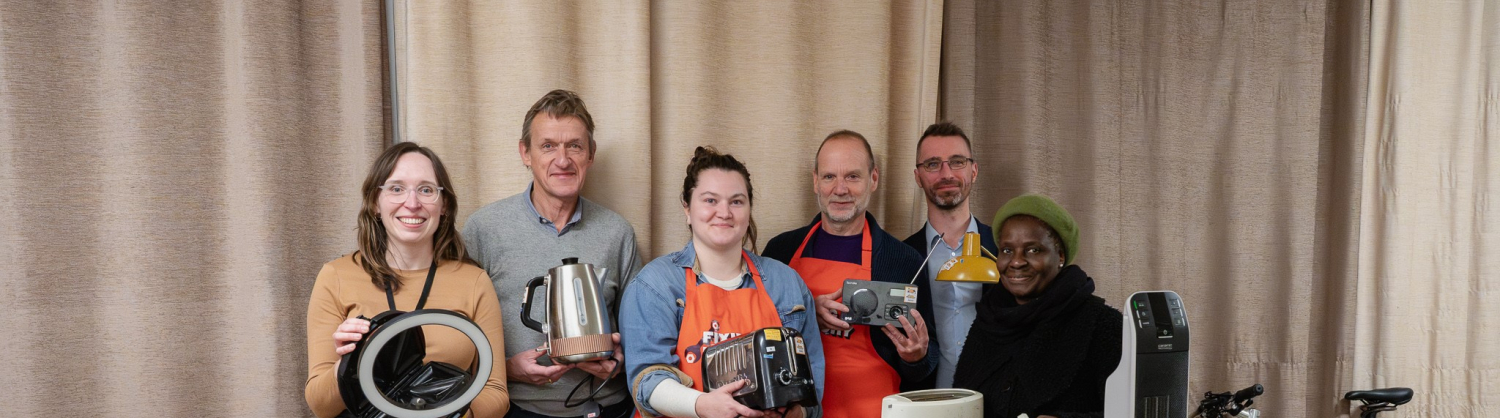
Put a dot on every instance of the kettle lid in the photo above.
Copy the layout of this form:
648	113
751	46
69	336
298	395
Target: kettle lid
570	260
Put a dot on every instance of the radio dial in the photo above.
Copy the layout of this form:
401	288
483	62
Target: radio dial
895	312
863	302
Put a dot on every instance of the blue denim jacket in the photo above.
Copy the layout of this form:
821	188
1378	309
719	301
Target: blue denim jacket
650	318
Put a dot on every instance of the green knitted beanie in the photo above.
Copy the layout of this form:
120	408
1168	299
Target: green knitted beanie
1049	212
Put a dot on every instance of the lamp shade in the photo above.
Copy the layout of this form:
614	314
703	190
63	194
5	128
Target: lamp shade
971	265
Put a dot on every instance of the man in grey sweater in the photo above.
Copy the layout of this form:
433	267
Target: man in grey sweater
522	236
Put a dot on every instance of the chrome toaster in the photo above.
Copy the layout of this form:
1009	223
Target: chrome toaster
773	360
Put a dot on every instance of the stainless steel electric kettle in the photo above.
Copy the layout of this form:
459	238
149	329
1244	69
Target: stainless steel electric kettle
578	327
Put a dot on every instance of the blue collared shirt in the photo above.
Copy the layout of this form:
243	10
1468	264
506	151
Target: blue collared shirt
952	303
650	317
547	223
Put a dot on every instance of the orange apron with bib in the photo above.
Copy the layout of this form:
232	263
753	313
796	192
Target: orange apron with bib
713	315
856	375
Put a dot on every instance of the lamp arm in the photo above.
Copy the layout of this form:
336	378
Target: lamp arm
987	253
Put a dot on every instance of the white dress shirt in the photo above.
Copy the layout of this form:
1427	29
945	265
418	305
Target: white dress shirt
952	302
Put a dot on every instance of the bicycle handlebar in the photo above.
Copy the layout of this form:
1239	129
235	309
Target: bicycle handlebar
1215	405
1247	393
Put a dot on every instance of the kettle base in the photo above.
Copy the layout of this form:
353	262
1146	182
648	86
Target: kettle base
579	358
581	349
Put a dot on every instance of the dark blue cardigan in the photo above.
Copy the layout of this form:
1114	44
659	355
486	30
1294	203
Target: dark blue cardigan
894	262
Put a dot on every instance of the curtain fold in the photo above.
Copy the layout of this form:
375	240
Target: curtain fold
1428	270
175	173
1205	147
471	70
764	81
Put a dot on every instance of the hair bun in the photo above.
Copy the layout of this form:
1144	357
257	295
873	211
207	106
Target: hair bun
703	155
704	151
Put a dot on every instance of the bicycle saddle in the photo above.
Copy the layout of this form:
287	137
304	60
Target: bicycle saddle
1394	396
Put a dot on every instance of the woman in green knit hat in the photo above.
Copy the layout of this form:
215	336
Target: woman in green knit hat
1042	344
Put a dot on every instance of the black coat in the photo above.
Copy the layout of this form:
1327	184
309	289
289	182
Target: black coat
1058	369
894	262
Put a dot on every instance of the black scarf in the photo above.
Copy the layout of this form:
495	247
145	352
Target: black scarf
1000	324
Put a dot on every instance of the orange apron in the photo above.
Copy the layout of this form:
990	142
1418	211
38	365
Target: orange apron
857	378
713	315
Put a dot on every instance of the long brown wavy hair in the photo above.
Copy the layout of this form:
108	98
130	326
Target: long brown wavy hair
705	158
373	240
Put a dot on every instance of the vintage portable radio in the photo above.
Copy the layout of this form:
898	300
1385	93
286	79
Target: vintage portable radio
878	303
774	360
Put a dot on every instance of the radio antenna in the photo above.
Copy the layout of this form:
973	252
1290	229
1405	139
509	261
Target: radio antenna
924	261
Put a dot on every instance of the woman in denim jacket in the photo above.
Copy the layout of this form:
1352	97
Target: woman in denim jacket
666	321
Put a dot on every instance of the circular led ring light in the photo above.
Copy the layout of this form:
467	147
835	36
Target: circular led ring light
414	319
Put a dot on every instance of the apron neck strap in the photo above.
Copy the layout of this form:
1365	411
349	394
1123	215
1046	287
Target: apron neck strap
692	277
865	244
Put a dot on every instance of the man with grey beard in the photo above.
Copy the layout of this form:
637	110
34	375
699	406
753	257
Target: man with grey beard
863	363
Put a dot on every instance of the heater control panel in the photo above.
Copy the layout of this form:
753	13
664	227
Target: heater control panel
1160	322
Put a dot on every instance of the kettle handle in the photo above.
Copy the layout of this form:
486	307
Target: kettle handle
526	303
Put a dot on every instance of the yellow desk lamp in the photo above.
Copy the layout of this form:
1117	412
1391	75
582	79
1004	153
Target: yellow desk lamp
971	265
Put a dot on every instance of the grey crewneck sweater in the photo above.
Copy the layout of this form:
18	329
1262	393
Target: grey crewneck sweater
511	245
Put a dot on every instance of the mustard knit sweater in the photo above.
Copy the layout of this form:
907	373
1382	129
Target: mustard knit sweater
343	291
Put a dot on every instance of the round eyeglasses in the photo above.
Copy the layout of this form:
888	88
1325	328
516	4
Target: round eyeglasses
933	165
398	193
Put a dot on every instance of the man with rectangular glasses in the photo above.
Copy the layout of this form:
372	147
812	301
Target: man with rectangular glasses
946	170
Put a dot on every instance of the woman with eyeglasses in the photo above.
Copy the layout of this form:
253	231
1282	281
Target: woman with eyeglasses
409	255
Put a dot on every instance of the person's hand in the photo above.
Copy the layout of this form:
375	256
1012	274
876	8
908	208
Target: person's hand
829	310
523	368
353	329
601	368
721	404
911	339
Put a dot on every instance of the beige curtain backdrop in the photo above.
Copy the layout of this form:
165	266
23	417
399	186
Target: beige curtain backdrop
765	81
1210	148
174	175
1315	178
1429	260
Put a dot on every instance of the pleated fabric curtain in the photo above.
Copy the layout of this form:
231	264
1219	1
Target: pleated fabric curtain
1429	250
1210	148
765	81
174	175
1315	178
